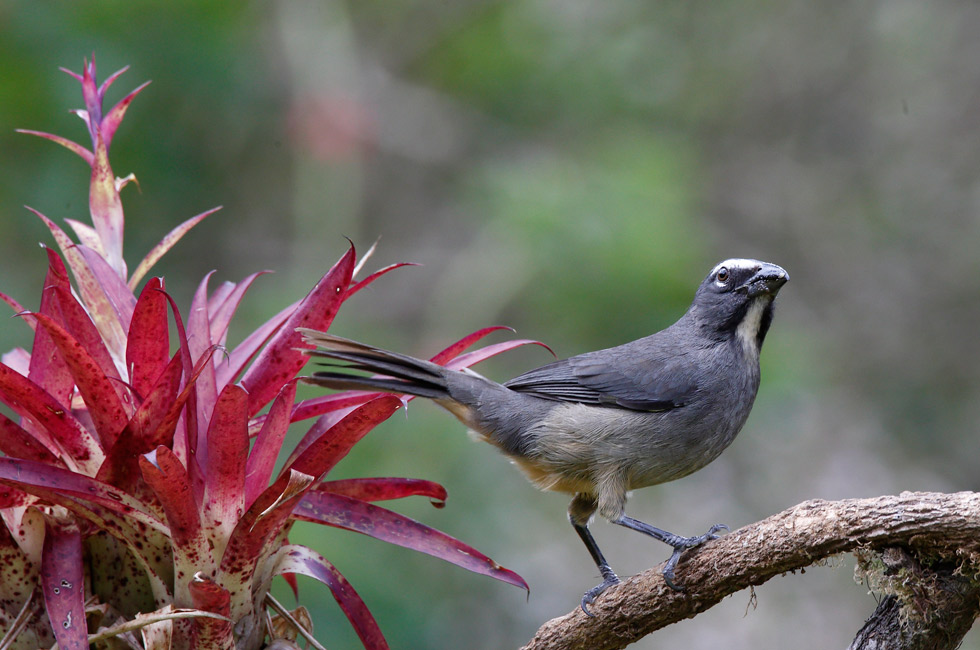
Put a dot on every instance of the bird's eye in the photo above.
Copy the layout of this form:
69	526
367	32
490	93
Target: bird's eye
722	275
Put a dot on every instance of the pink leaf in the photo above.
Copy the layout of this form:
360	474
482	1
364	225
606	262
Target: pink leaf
104	86
344	512
169	481
459	346
317	406
16	306
374	276
472	358
113	285
385	489
165	245
268	444
92	293
63	585
219	296
327	450
115	115
86	235
222	313
109	413
93	101
76	445
199	343
106	207
224	473
86	155
148	346
302	560
282	357
229	369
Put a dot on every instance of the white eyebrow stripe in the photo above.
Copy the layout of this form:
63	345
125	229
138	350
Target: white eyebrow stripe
738	263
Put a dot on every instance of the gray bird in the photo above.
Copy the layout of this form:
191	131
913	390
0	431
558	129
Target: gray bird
600	424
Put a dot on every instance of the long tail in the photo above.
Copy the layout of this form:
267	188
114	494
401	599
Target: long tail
401	373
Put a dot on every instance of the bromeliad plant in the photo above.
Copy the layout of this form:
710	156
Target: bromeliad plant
135	505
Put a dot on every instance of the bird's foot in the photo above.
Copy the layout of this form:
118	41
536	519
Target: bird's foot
680	545
608	580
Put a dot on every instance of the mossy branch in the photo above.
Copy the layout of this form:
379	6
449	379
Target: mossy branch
921	549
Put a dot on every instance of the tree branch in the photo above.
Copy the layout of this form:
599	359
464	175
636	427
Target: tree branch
923	549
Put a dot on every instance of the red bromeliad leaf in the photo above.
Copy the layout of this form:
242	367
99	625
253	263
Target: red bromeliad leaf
75	319
304	561
165	245
76	445
319	428
244	351
350	514
326	451
17	442
109	413
209	596
152	425
63	585
106	207
50	482
282	358
459	346
148	345
86	155
93	295
385	489
374	276
264	520
169	481
268	443
317	406
224	472
47	366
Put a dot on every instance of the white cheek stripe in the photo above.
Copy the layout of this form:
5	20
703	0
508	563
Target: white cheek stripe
747	331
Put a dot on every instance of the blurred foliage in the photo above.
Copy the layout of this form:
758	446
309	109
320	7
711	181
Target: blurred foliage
570	168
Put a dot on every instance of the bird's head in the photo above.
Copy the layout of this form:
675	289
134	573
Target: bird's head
736	300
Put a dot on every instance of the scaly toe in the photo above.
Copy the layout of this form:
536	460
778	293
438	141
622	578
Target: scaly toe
589	597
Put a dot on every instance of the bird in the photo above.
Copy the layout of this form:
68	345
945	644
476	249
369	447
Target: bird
601	424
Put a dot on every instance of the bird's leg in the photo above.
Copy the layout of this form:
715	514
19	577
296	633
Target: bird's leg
678	543
579	513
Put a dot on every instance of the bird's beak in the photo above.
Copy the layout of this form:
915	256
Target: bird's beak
767	280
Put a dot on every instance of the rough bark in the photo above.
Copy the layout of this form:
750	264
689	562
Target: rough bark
920	549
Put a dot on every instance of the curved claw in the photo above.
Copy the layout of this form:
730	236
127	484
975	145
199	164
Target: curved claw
589	597
680	545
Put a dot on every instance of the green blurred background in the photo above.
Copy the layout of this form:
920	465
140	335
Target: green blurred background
571	169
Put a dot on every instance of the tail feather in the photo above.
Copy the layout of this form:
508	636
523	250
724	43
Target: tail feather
399	373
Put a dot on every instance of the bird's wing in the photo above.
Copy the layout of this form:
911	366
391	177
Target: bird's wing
615	377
